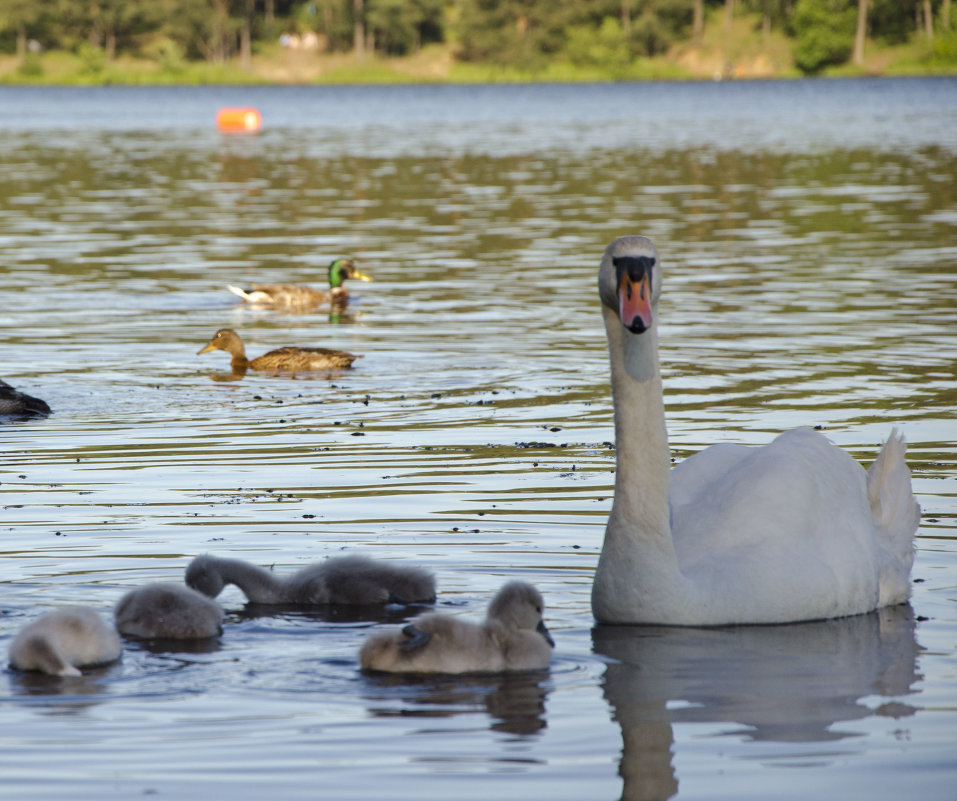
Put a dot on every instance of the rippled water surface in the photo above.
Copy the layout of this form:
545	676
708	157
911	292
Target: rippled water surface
807	231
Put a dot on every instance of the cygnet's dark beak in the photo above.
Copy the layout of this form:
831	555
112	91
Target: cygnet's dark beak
543	630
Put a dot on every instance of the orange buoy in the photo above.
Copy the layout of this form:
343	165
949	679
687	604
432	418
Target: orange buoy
239	120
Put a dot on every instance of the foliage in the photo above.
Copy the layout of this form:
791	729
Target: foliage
824	32
605	46
399	27
944	50
599	38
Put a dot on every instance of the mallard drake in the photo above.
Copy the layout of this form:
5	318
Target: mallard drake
512	638
288	359
168	611
295	296
348	580
61	642
14	402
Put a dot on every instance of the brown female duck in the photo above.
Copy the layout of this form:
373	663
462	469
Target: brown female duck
295	296
288	359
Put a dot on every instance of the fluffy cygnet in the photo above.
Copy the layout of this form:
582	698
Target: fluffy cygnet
168	612
352	580
513	637
62	641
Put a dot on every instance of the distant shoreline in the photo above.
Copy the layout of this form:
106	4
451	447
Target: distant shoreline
435	65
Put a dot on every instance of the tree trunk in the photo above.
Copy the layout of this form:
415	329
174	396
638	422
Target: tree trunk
945	16
358	29
625	16
246	37
110	42
21	41
728	13
697	25
928	20
859	36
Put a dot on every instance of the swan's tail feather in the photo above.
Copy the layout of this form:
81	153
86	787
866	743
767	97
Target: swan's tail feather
896	514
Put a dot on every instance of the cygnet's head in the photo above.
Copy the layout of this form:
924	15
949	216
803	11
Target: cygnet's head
520	606
203	575
629	281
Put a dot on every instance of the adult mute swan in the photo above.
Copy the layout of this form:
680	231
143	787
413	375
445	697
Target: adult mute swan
352	580
512	638
62	641
792	530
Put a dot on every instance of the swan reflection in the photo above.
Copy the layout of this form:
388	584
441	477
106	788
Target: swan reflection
780	684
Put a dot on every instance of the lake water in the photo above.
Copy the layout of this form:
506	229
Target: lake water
809	233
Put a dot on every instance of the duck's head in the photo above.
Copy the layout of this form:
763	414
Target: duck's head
341	269
629	281
520	606
224	339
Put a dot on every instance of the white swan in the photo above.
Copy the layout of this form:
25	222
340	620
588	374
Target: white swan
793	530
168	612
512	638
350	580
62	641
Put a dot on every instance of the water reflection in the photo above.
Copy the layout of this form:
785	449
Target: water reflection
515	702
169	647
65	694
778	684
335	613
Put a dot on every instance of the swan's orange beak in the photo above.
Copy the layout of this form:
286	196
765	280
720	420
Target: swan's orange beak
634	302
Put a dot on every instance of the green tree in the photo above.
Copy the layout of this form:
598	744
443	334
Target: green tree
824	33
403	26
27	19
522	33
207	29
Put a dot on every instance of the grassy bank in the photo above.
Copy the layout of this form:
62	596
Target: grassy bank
743	52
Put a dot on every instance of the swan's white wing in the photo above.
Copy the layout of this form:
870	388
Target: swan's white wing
797	505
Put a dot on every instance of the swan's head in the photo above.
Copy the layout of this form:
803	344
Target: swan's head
629	281
519	606
203	574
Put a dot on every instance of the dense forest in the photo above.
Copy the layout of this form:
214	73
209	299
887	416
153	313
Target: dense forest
526	34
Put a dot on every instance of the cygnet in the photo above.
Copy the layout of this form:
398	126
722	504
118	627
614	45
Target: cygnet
168	612
62	641
512	638
350	580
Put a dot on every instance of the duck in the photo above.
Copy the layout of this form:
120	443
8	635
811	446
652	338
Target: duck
168	611
353	580
287	359
513	637
789	531
13	402
296	296
61	642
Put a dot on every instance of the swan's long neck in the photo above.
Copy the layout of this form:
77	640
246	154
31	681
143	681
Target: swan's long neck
638	566
641	438
258	585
